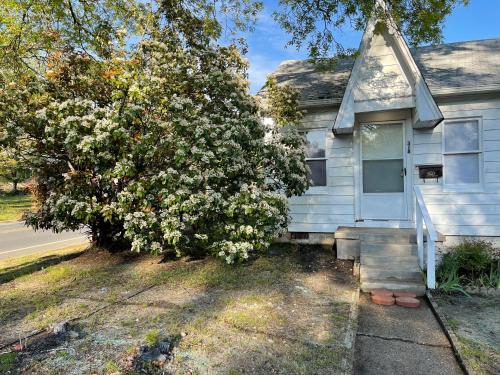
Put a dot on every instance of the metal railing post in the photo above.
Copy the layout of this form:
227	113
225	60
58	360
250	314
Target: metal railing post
422	216
420	237
431	264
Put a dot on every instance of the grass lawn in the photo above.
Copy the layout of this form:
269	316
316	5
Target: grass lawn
475	322
286	312
12	268
12	207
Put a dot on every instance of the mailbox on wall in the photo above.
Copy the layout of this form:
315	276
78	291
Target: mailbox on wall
430	171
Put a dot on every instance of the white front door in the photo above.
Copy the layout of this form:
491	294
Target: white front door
383	171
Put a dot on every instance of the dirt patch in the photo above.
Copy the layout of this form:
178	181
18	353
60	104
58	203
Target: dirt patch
286	312
475	321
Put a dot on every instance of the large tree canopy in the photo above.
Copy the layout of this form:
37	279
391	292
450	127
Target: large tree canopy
318	24
32	29
161	148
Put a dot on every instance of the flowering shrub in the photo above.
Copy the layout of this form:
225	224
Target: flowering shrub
282	102
167	154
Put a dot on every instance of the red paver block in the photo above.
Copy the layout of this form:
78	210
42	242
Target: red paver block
408	302
405	294
381	292
381	299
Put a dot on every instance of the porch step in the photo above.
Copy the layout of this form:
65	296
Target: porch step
408	286
377	235
384	235
407	267
408	273
388	261
389	249
388	258
385	238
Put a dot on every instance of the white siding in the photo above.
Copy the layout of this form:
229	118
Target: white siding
463	213
324	209
454	213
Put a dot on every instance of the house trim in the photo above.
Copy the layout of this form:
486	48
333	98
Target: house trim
438	95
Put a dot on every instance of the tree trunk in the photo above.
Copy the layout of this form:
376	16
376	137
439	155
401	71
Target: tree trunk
109	236
14	186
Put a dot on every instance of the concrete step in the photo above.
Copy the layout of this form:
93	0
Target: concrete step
347	232
407	286
384	235
386	238
388	261
393	274
403	267
395	235
388	249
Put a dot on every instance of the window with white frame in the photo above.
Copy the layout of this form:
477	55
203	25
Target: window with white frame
316	156
462	154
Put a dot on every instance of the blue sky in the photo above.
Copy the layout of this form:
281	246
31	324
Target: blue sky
479	20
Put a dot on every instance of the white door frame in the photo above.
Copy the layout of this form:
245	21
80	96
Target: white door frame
408	181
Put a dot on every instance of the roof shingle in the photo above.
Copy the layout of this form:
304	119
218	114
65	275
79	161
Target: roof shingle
447	68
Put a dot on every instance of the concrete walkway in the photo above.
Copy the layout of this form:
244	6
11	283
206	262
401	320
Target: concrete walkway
393	340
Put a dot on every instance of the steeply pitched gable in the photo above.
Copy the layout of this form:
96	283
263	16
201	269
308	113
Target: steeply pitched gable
385	76
380	74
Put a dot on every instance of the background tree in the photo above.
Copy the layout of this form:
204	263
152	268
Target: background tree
316	24
33	29
13	168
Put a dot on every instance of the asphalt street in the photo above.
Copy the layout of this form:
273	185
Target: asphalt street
16	239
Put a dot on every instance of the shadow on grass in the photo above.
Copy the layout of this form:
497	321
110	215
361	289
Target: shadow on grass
258	317
11	273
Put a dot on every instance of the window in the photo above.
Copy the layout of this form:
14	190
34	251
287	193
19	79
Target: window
462	153
316	156
382	158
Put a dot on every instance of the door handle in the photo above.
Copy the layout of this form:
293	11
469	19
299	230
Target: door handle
403	172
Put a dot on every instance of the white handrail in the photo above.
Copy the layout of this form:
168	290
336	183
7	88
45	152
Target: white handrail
423	217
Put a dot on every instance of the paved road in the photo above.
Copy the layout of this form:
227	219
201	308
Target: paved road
17	240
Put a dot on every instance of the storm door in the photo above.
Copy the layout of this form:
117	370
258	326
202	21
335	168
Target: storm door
383	172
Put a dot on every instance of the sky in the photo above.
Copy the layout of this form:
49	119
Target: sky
266	45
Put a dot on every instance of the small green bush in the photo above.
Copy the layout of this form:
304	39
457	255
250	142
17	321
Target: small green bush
111	368
492	279
7	361
152	337
473	257
471	262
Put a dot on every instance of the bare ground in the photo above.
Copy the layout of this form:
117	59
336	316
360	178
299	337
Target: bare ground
475	321
287	312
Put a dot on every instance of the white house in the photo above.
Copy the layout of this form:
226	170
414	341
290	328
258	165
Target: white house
395	136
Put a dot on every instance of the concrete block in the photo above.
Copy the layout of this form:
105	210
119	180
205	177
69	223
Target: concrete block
348	248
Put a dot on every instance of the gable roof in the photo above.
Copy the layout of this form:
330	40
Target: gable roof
368	74
455	68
